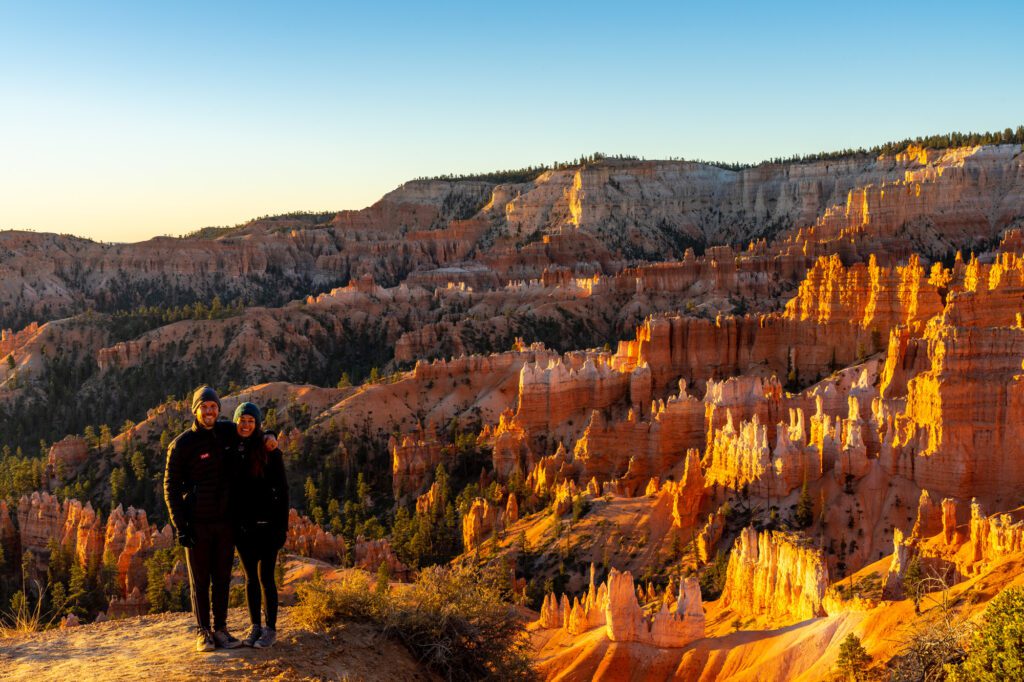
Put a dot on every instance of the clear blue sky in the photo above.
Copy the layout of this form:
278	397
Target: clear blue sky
120	121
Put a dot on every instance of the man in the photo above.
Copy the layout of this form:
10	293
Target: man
197	486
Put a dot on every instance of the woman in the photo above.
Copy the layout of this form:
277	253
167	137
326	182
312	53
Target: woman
261	521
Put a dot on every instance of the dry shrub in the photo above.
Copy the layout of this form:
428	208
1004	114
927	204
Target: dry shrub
452	620
23	616
322	604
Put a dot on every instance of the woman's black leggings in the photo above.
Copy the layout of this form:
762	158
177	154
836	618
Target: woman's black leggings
258	562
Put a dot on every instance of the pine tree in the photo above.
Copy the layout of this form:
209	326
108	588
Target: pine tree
804	507
853	658
913	582
383	585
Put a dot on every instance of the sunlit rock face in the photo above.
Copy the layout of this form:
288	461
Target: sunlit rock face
647	447
552	394
413	460
959	425
775	574
838	316
675	620
479	523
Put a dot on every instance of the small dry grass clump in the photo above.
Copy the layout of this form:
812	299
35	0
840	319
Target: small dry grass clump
452	620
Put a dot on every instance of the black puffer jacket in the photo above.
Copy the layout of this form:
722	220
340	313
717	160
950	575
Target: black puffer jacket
260	495
201	465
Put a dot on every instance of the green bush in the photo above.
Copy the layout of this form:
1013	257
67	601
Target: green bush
997	648
452	620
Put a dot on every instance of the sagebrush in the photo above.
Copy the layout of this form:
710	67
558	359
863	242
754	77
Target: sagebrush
453	620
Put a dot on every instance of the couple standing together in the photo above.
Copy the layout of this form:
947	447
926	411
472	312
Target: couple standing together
225	487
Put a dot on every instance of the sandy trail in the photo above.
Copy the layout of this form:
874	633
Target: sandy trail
161	648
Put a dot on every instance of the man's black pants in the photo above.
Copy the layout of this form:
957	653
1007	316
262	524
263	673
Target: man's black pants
209	563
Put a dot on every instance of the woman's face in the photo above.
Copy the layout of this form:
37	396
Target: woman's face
246	425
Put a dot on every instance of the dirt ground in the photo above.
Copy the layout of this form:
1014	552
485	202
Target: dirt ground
160	648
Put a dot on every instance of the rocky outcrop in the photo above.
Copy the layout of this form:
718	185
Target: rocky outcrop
133	604
413	460
308	539
510	450
85	533
929	519
124	543
129	541
511	509
710	535
839	316
957	435
892	586
686	495
479	523
993	537
554	394
551	471
66	455
949	520
775	574
370	554
41	518
676	620
740	457
648	447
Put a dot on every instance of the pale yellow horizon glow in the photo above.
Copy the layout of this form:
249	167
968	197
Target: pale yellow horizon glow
145	211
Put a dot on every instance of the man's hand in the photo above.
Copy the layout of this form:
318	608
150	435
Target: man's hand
270	442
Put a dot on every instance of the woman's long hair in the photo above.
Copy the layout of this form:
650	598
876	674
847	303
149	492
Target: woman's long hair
257	454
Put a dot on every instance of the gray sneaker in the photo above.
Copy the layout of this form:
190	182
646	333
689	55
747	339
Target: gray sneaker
266	640
204	641
225	640
254	634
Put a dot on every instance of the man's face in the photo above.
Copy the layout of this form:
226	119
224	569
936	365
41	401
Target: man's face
207	413
246	425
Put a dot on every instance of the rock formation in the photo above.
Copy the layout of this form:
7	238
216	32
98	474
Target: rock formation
892	587
993	537
66	455
552	395
686	495
370	554
413	460
676	620
655	445
956	425
133	604
510	446
775	574
40	518
479	523
308	539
